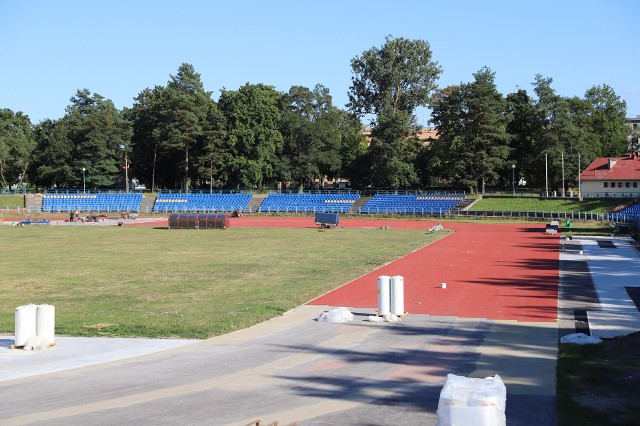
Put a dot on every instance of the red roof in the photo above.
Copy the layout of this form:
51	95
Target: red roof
612	168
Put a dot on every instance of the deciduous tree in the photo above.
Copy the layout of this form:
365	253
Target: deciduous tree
16	147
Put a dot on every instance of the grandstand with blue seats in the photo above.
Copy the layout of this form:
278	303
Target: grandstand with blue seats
631	213
330	202
176	202
90	201
411	204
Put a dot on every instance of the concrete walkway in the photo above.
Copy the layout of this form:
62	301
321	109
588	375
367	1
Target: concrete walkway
601	268
295	369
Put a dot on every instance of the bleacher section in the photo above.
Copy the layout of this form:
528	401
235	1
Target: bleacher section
631	213
195	202
338	202
411	204
91	202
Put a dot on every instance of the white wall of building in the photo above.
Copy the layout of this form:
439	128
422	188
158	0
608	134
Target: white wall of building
620	189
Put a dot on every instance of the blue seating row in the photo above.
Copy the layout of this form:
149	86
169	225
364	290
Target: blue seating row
630	212
305	203
410	204
178	202
94	202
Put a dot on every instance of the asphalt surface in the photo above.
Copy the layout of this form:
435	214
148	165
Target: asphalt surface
296	369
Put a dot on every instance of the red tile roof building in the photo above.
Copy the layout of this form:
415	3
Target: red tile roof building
612	177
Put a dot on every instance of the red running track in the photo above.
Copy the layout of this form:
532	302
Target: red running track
495	271
501	271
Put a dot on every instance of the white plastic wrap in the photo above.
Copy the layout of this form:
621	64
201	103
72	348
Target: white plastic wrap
472	402
25	323
336	315
46	317
397	295
384	295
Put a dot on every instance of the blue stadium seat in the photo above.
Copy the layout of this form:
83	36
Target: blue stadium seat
338	202
197	202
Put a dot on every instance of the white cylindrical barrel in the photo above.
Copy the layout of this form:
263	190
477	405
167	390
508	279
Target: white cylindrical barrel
384	296
46	324
25	322
397	295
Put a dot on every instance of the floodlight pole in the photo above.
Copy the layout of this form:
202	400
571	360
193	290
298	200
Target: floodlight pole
579	173
546	176
513	179
562	174
84	184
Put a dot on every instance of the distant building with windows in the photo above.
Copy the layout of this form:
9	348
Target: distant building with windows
426	135
612	177
634	123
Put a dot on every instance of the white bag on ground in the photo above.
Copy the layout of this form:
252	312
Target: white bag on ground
472	402
336	315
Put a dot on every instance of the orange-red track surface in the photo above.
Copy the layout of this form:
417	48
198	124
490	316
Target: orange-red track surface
495	271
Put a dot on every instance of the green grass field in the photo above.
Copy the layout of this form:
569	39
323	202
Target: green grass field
141	281
546	205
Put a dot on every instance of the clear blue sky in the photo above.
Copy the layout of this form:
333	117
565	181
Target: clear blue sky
50	49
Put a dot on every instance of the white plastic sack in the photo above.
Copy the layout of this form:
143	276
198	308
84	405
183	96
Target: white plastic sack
36	343
336	315
580	339
385	318
472	402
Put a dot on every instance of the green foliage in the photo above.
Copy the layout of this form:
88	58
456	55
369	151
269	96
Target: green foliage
16	147
177	133
473	143
165	283
393	155
607	120
92	135
391	82
253	133
311	128
397	77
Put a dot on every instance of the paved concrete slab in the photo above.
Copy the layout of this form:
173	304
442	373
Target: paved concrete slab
295	369
613	263
75	352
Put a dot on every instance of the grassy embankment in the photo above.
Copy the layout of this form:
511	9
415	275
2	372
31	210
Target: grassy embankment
599	205
11	201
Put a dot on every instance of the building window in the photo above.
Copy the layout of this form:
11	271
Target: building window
627	184
635	184
606	184
619	184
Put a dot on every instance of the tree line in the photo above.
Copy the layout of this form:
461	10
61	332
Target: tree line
177	136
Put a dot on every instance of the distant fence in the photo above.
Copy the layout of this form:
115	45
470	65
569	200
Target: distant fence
548	215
